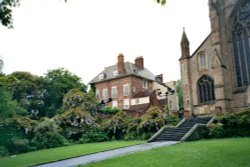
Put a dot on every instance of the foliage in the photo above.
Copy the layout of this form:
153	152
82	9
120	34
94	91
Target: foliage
201	133
216	130
3	151
162	2
231	124
28	90
76	98
109	110
58	83
152	121
8	107
180	95
117	125
132	131
94	135
6	12
47	135
75	122
172	120
15	134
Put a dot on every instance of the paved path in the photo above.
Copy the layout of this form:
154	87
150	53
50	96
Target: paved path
106	154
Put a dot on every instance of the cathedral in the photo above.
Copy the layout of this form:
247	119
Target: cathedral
216	77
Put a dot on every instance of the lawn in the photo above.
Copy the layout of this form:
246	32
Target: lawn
207	153
48	155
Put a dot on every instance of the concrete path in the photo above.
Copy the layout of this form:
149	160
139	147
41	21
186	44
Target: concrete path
106	154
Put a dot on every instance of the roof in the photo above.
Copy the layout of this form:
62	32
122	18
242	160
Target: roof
130	69
145	93
140	107
184	38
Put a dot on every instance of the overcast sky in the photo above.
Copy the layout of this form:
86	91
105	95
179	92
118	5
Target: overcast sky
85	36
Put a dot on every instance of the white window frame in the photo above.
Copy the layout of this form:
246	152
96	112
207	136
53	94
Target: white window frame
114	104
105	94
126	90
137	101
126	104
114	92
115	73
145	84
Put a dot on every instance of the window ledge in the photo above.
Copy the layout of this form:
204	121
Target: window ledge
205	103
240	89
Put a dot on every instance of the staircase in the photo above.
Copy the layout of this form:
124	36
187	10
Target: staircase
179	133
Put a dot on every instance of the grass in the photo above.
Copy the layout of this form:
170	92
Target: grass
54	154
207	153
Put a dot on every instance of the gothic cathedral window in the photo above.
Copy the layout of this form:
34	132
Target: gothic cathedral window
241	41
206	89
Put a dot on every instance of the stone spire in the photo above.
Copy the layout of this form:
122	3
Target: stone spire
184	46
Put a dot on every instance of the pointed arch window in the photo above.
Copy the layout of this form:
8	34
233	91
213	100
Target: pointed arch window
241	41
206	89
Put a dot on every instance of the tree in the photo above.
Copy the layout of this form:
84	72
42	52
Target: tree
75	122
58	83
6	12
117	126
76	98
28	90
8	107
180	94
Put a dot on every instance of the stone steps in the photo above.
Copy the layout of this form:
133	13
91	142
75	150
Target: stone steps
176	133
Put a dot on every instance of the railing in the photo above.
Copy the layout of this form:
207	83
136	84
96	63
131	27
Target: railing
163	128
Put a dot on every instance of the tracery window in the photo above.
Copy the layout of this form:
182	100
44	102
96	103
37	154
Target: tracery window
241	41
206	89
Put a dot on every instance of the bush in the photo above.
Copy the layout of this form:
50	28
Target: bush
47	135
109	110
94	135
216	130
151	122
48	140
201	133
3	151
117	126
17	145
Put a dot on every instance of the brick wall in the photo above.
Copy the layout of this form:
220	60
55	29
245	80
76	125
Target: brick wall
135	85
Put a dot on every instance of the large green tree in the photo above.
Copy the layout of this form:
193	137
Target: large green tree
28	90
58	83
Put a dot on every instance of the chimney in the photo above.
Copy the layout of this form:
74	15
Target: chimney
139	62
159	78
120	64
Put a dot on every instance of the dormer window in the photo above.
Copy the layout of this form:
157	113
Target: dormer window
101	76
115	73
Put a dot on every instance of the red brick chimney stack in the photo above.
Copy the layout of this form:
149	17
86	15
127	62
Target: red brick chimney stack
139	62
120	64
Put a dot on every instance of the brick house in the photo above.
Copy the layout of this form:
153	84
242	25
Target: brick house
124	84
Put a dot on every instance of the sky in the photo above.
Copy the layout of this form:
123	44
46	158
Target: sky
85	36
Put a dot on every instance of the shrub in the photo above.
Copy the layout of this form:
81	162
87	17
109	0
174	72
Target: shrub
151	122
94	135
117	126
216	130
109	110
47	135
3	151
